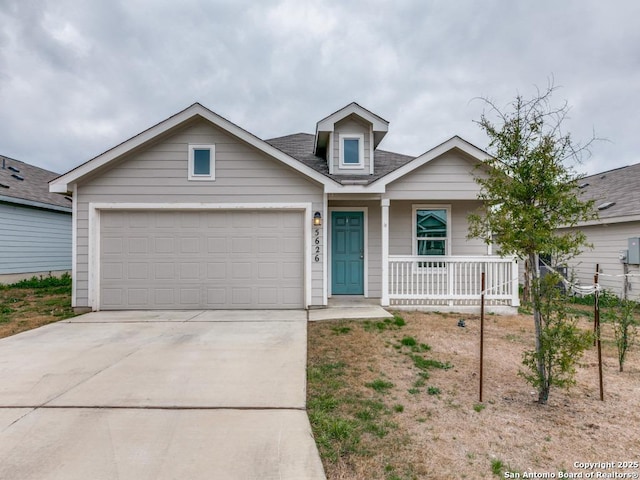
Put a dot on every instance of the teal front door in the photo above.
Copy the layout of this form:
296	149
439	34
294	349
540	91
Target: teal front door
347	253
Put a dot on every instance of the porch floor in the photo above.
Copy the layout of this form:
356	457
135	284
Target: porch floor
349	307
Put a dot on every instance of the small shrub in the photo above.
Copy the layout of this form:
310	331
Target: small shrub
419	383
625	329
433	391
408	342
497	466
398	408
414	391
478	407
379	385
426	363
398	321
44	282
341	330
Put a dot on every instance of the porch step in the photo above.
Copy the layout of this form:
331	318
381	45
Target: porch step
348	307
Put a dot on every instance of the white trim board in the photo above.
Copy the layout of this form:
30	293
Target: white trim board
94	234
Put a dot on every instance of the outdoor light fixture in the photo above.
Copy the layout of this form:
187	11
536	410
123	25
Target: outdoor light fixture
317	219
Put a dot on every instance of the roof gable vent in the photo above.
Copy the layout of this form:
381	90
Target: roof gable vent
2	185
13	169
17	177
605	205
583	185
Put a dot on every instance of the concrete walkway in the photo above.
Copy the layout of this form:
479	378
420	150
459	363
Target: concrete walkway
158	395
349	307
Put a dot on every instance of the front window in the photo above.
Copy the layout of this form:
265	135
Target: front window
431	230
201	162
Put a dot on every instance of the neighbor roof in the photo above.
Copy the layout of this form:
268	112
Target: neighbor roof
620	186
27	184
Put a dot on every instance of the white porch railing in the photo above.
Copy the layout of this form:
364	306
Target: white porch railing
452	280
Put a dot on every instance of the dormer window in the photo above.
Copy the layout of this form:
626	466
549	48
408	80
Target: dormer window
351	151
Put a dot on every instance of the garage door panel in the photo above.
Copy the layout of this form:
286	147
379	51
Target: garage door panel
139	220
217	245
214	259
138	271
216	271
138	245
268	271
164	297
138	297
164	271
189	245
111	245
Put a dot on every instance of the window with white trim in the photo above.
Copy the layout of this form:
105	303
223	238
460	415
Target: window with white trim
202	162
431	230
351	150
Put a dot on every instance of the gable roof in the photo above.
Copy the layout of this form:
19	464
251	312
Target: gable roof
454	143
63	183
26	184
620	186
297	151
379	125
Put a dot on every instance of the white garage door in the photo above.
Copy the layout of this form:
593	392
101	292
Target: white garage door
201	259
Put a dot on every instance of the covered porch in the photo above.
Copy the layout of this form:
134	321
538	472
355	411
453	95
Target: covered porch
412	260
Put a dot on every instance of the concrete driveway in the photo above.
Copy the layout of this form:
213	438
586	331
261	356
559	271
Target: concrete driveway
158	395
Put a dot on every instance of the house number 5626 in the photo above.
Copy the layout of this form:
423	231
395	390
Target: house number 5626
316	245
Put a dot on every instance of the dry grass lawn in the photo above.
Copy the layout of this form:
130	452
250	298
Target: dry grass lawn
436	428
33	305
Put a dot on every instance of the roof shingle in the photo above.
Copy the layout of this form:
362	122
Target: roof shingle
300	146
621	186
22	181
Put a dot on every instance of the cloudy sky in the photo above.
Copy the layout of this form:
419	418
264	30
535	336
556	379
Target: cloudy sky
78	77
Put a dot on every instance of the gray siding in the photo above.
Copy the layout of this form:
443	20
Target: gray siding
158	174
348	126
34	240
607	241
401	227
448	177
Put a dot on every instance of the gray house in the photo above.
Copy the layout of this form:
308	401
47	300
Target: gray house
617	199
35	225
197	213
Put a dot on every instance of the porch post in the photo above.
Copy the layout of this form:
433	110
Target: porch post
384	204
515	285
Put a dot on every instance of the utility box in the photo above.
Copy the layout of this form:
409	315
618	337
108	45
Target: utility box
623	256
633	258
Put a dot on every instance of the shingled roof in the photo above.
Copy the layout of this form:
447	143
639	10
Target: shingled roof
616	192
28	184
300	146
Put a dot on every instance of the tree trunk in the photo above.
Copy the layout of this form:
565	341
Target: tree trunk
534	269
526	288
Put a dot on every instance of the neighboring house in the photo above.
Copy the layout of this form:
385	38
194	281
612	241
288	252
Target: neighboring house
617	199
35	225
196	212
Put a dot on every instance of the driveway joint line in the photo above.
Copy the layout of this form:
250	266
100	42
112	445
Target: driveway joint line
33	409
